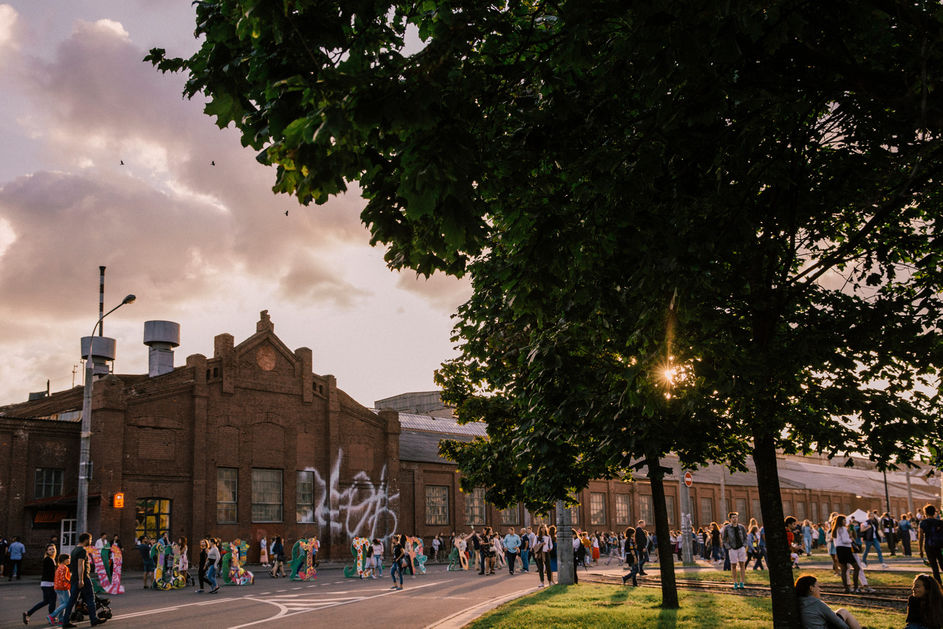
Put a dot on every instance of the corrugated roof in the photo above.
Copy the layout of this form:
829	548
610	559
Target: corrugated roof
444	425
423	447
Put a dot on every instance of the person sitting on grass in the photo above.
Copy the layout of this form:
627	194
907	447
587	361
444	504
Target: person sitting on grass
925	605
816	614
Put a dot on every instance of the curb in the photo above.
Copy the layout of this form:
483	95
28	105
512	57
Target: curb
465	616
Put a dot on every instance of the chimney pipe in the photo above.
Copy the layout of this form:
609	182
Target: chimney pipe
161	337
101	300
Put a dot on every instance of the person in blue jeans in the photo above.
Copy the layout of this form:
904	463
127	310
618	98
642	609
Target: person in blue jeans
871	537
399	557
212	565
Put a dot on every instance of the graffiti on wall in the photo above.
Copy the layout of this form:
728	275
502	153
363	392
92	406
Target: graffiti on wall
363	509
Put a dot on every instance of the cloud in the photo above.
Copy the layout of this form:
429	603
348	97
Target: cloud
308	279
168	217
440	290
8	26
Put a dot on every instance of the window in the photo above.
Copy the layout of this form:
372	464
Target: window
800	510
825	511
645	511
670	507
437	504
475	507
815	511
623	512
227	486
152	517
756	512
266	495
48	482
707	511
511	516
574	515
597	508
740	506
787	508
304	498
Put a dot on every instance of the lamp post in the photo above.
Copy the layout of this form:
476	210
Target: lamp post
81	509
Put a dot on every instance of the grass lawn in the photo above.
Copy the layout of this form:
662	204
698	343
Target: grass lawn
876	578
596	605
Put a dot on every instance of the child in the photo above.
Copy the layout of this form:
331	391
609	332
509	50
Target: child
61	584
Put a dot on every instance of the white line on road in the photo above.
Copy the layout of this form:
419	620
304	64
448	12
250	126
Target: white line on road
162	610
463	617
284	613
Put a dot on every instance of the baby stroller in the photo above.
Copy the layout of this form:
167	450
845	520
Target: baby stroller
102	609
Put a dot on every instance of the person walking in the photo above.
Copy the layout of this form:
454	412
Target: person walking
843	549
278	557
542	547
183	560
46	583
641	547
399	562
871	533
81	584
525	550
62	586
263	552
148	564
931	540
212	564
512	546
201	571
630	557
16	551
904	527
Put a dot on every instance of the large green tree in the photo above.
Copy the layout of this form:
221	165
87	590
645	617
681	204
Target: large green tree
775	165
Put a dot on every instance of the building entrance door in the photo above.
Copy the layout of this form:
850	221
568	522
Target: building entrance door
67	535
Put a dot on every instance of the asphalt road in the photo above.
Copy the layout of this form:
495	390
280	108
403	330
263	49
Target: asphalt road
435	598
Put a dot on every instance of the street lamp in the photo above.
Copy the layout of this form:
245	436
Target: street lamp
81	509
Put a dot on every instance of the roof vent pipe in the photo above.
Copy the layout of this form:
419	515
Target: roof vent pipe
161	337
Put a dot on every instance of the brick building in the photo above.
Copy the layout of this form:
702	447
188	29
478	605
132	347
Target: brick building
252	442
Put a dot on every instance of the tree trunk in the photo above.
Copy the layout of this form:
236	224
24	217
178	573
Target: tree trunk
785	604
669	590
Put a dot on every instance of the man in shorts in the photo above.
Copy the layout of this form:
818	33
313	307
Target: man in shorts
734	538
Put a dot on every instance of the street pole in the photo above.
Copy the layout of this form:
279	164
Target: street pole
686	554
910	495
81	507
564	543
723	492
887	495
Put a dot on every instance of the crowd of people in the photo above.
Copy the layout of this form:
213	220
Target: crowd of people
66	577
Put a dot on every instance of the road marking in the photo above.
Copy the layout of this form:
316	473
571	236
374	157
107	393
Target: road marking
463	617
162	610
285	612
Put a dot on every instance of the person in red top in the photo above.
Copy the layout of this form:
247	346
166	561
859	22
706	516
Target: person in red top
62	585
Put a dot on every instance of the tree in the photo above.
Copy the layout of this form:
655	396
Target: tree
775	165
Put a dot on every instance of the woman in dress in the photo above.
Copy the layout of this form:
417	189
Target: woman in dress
263	552
183	560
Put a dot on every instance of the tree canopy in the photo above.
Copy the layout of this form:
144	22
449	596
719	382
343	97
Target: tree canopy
775	168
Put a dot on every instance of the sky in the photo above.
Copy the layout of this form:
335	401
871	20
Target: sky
206	246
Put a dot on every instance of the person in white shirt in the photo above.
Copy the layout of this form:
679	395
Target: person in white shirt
377	557
844	552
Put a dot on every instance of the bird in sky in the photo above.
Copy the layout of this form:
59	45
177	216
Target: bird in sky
122	162
212	163
286	212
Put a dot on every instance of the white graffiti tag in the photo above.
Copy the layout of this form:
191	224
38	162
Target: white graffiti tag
363	509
